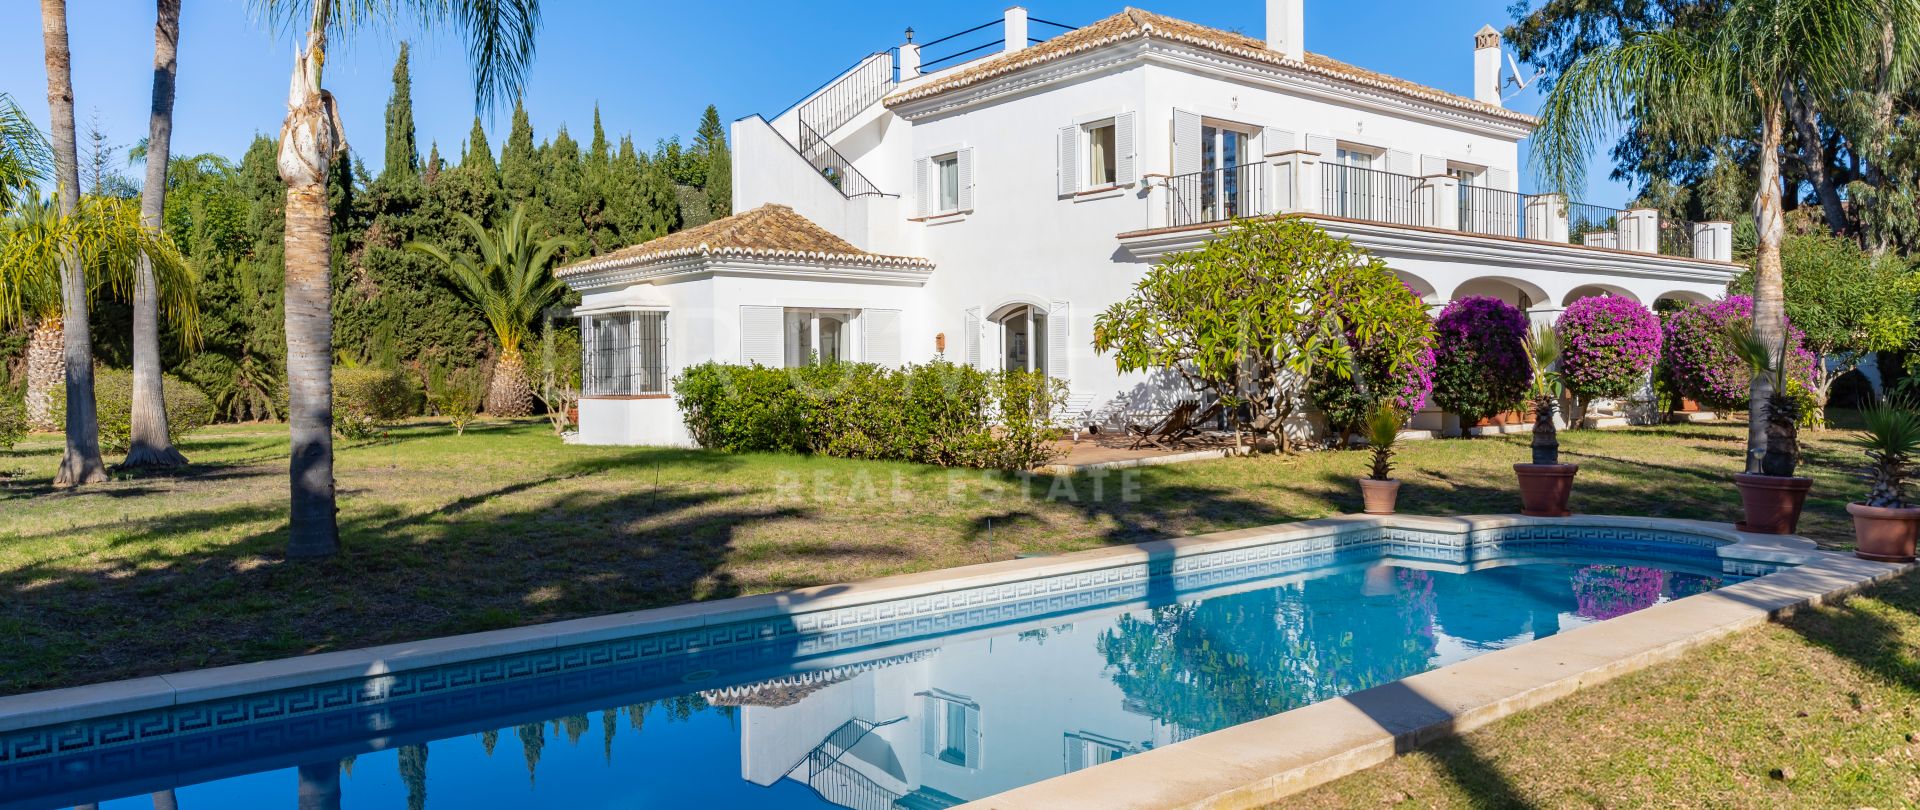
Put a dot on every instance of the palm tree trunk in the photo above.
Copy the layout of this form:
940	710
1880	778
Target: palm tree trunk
1769	293
81	463
150	445
44	370
509	395
309	140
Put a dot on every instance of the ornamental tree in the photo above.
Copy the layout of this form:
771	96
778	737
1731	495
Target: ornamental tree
1263	303
1608	346
1480	354
1698	363
1846	303
1394	366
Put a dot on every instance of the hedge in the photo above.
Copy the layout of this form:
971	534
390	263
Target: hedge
188	409
936	413
367	399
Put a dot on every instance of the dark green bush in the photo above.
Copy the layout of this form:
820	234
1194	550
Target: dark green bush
938	413
188	409
367	399
13	420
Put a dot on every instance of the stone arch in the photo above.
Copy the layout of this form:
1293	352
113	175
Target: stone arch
1523	294
1591	290
1672	297
1421	287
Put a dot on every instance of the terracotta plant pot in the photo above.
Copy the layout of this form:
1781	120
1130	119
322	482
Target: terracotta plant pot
1544	488
1771	503
1884	534
1379	496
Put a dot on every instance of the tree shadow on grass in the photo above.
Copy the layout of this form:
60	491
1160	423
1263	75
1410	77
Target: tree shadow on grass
1855	631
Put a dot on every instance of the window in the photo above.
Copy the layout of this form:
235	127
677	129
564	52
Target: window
1085	750
625	353
946	171
1102	165
950	728
953	748
818	336
1023	339
1358	190
1225	188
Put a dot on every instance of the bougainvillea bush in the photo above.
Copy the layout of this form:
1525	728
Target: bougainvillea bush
1389	364
1608	345
1698	363
1480	358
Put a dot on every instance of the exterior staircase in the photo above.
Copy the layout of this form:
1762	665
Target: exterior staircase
831	108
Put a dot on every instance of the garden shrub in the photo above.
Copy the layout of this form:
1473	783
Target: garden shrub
937	413
1698	363
457	395
366	399
13	421
188	409
1391	365
1480	358
1608	346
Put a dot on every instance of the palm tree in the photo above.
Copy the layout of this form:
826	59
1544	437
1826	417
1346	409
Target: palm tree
150	446
511	281
499	35
81	463
1722	83
23	154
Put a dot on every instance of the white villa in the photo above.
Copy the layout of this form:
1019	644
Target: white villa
987	210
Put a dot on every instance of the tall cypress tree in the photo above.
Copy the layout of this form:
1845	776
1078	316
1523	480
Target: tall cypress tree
710	141
403	155
479	153
434	164
519	163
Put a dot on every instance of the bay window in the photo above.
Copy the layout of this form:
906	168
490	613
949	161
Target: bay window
624	353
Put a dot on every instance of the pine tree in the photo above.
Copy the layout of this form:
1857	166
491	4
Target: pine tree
563	195
519	162
434	164
710	141
478	154
403	155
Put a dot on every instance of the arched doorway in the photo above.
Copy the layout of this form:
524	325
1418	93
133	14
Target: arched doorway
1597	290
1023	337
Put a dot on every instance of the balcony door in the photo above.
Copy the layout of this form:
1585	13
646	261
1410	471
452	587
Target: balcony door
1357	192
1226	191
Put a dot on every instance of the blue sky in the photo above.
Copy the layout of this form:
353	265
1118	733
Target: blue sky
651	66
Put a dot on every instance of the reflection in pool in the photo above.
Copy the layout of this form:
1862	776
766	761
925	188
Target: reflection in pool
939	721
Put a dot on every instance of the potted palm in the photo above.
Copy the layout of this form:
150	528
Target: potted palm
1545	484
1379	490
1885	524
1771	496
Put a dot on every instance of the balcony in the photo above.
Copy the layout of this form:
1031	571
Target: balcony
1297	182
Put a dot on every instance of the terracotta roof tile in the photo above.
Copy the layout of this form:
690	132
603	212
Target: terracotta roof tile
1134	23
768	232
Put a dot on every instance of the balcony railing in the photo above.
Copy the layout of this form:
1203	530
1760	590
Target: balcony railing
1376	196
1584	219
839	102
1217	195
1676	238
835	167
1493	212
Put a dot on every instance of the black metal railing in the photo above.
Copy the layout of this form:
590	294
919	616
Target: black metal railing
833	106
956	57
838	782
1676	238
1369	194
1493	211
835	167
1583	219
1217	195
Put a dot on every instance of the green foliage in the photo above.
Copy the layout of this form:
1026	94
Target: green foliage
188	409
1264	301
13	420
1846	301
937	413
403	153
557	374
508	276
1383	432
1890	438
368	398
457	395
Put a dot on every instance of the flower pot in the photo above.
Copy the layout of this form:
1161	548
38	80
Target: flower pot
1689	406
1771	503
1884	534
1544	488
1379	496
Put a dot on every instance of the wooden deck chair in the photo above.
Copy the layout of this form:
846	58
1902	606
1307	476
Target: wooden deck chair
1176	427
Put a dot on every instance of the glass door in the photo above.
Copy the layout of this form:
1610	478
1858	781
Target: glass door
1222	189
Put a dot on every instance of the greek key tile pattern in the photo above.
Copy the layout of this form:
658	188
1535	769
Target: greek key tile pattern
766	642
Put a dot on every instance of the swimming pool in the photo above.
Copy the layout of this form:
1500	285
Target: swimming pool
910	704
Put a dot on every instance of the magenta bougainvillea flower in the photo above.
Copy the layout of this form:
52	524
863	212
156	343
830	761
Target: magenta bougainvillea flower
1608	344
1602	592
1480	355
1698	363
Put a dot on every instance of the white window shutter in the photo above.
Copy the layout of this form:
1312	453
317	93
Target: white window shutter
588	367
1069	171
1274	140
880	337
1400	162
761	338
1431	165
932	714
1325	146
970	338
1059	339
965	158
1499	179
1186	142
920	200
1123	149
973	736
1075	756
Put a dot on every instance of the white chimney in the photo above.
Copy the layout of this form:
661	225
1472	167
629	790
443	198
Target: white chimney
1016	28
1486	65
909	61
1286	28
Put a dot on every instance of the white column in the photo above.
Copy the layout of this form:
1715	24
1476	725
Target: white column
1547	218
1639	230
1156	185
1286	24
1016	28
1713	241
909	61
1486	65
1296	181
1439	196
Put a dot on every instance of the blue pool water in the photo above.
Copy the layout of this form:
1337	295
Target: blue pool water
915	724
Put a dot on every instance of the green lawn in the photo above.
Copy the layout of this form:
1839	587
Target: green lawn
507	526
1821	710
